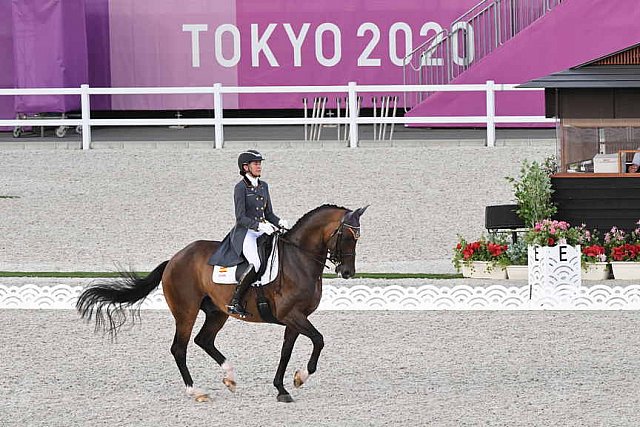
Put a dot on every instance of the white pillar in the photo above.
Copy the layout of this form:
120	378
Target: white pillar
353	115
217	116
491	113
85	108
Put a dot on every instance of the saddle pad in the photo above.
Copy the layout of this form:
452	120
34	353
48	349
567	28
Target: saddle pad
224	275
227	275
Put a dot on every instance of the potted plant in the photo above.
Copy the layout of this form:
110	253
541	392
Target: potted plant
481	259
550	232
623	252
517	254
593	257
532	191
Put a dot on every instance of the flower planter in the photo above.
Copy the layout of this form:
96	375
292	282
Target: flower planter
595	271
625	270
518	272
481	270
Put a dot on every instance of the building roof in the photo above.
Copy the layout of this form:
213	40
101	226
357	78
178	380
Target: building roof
593	76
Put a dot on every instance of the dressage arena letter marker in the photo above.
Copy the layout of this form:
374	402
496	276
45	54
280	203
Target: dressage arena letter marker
555	275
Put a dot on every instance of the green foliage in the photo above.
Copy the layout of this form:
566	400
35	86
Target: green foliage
518	253
532	191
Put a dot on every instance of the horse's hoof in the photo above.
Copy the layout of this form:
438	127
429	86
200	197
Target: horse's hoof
285	398
299	378
231	384
202	398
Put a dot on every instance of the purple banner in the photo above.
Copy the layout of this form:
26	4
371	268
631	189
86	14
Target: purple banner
97	18
49	50
137	43
6	64
199	43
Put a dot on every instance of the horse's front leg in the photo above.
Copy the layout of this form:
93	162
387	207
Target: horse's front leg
308	330
290	336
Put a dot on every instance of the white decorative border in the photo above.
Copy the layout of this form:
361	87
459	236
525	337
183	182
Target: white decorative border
364	297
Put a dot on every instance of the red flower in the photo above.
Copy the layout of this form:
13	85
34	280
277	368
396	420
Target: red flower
626	252
550	241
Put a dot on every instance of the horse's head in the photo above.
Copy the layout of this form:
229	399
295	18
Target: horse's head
342	243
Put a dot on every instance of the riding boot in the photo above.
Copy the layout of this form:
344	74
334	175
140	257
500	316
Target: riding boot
247	278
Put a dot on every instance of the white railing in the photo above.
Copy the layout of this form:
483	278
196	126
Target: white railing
219	121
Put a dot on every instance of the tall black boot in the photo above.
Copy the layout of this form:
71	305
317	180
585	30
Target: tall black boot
247	278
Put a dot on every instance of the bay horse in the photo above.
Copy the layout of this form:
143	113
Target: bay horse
326	232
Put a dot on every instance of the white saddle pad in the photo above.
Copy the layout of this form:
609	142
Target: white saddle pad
227	275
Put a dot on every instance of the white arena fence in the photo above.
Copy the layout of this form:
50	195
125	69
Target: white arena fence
391	296
218	121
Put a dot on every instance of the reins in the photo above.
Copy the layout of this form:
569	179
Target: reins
306	252
335	255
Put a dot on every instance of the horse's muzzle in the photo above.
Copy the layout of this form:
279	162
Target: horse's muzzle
345	272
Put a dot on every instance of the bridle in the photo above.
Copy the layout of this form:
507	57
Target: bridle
335	255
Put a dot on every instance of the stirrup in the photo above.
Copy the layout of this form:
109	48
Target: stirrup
237	309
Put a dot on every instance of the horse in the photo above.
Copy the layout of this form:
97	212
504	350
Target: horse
326	232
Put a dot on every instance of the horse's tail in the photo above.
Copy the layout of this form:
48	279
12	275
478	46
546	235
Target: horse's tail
108	301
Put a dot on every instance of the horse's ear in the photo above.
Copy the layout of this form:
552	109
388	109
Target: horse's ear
360	211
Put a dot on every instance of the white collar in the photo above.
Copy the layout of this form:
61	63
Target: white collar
252	179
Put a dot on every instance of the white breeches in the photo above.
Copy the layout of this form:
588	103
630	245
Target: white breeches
250	248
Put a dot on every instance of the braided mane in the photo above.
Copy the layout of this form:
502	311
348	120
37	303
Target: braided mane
307	217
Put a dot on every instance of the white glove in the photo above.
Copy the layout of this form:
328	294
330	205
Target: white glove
266	227
284	224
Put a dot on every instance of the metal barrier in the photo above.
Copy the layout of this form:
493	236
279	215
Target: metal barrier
351	120
471	37
385	105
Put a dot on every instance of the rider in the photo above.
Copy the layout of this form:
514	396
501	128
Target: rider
254	217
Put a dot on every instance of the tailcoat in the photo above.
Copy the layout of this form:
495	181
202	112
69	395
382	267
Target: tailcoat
252	206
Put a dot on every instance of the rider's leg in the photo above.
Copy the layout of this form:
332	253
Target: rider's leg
250	251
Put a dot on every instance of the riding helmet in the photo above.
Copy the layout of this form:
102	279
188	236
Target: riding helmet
247	157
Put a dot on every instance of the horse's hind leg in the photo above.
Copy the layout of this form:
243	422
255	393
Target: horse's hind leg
206	339
185	319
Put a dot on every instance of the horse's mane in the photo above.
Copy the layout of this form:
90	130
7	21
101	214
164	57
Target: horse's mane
306	217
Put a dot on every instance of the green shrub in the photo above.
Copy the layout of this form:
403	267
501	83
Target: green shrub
532	191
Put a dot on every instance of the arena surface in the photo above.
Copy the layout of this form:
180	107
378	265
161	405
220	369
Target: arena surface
377	369
135	207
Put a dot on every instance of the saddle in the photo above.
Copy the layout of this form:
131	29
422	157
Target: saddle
268	254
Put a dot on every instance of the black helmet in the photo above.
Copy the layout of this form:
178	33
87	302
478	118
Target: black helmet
247	157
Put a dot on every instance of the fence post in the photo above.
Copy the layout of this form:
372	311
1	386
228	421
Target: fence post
217	116
85	109
353	115
491	113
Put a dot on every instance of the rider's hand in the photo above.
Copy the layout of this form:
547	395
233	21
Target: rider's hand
283	223
266	227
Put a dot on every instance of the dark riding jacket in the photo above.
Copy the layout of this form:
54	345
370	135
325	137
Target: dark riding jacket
252	205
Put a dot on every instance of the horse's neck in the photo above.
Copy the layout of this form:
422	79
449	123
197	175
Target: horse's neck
310	244
312	237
